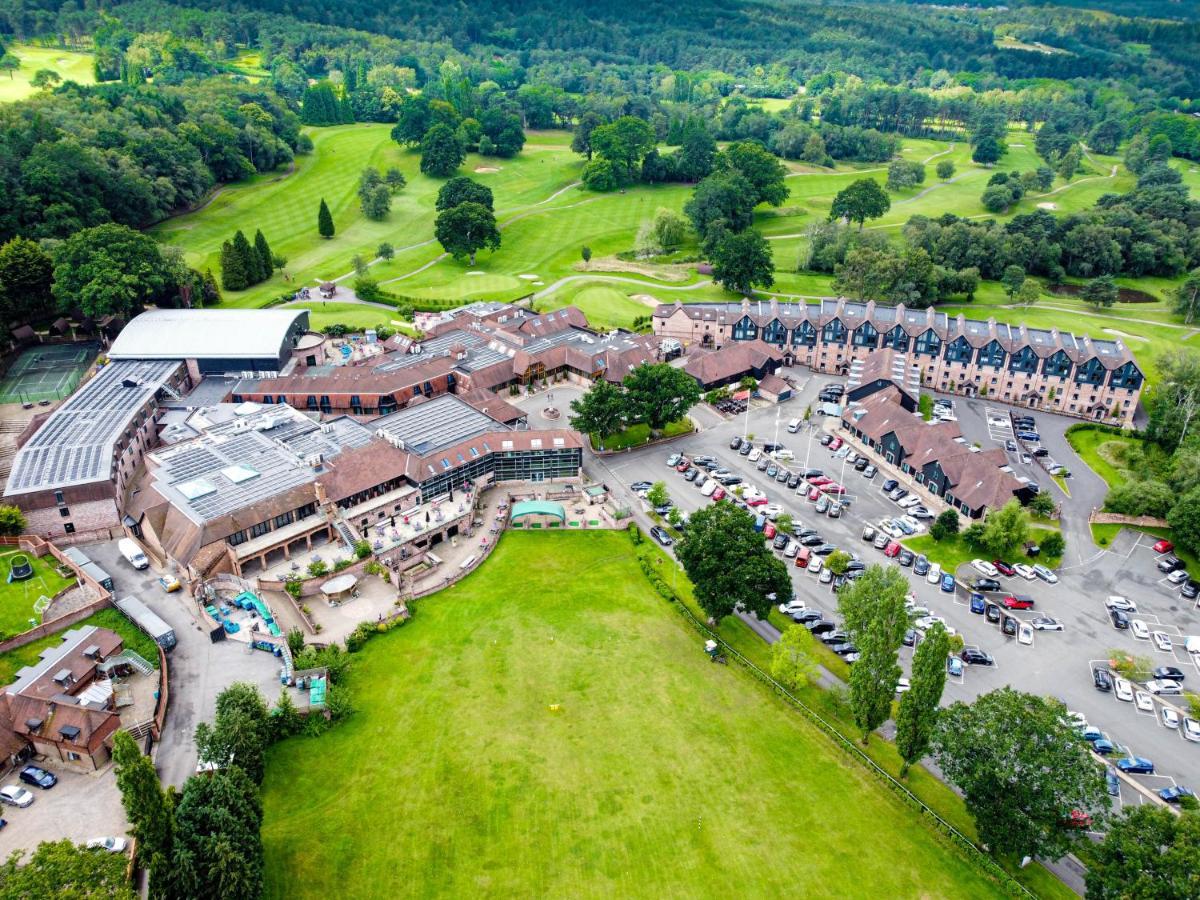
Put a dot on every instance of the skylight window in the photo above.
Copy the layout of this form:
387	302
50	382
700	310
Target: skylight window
239	473
197	488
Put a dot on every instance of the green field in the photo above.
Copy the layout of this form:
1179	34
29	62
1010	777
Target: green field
71	65
570	738
113	619
18	597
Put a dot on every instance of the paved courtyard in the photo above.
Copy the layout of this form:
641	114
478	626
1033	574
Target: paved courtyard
80	807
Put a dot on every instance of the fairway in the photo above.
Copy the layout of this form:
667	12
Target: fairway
550	727
70	65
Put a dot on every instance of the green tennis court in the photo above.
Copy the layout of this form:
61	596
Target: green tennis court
46	372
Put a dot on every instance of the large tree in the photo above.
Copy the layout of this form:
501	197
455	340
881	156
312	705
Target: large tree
729	564
581	140
863	199
466	229
1021	770
65	870
722	201
873	611
324	220
150	810
218	848
1005	529
792	663
601	411
697	152
659	394
110	270
1186	297
917	716
623	143
441	152
1149	853
239	734
26	282
758	166
742	262
1100	292
461	189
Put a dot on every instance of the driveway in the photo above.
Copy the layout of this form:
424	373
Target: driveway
80	807
199	669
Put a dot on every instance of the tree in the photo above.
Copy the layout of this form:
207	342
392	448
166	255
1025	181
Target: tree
792	664
461	189
45	78
902	174
150	809
837	562
945	170
659	394
1100	292
218	848
26	281
1148	853
1005	529
1068	165
623	143
657	495
1184	519
441	152
863	199
239	735
324	221
12	521
759	167
1042	504
600	175
266	259
874	615
385	251
1186	297
246	259
784	523
1012	279
1053	544
1021	770
917	716
585	253
110	270
66	870
721	201
987	151
697	153
742	262
728	563
581	140
9	62
670	229
997	198
466	229
1029	293
395	180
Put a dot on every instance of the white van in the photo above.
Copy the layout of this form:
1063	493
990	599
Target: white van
133	554
709	487
794	426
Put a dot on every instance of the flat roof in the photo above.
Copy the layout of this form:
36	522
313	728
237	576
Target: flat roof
206	334
435	424
75	444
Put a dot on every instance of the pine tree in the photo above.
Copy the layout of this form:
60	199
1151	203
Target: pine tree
324	221
247	257
209	294
233	269
262	250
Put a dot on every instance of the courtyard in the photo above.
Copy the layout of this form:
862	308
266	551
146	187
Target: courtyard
549	727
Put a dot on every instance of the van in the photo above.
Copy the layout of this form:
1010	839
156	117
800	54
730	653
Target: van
793	426
709	487
803	555
133	554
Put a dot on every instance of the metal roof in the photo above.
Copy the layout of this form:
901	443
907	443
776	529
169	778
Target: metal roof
206	334
75	444
430	426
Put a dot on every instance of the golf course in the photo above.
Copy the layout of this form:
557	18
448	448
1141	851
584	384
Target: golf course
571	738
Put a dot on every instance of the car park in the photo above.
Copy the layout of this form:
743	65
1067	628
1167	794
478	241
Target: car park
1191	730
1045	574
1170	688
1143	701
1136	765
1046	623
947	582
15	795
38	777
1122	603
1102	680
973	656
1169	673
1139	629
1169	717
1162	641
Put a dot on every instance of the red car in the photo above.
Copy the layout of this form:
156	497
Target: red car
1163	546
836	444
718	494
768	531
833	488
892	549
757	501
1004	568
814	494
819	480
683	466
1017	603
1077	819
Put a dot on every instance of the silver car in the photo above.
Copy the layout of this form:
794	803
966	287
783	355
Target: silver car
15	795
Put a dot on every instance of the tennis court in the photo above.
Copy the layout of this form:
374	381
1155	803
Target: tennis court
46	372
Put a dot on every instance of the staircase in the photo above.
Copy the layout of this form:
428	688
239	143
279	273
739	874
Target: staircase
127	656
345	534
98	692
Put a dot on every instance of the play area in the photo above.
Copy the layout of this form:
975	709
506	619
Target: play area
28	585
46	372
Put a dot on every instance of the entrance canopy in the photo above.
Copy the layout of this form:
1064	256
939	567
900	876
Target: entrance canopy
538	508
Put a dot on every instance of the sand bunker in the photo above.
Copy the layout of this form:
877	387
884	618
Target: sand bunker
1016	145
644	298
528	277
537	283
1122	334
486	170
1047	206
477	273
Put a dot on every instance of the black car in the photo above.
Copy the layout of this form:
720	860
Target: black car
843	649
835	637
1190	590
813	540
973	656
824	549
813	473
921	567
660	535
826	440
890	485
793	481
704	460
862	463
735	442
984	585
771	447
1169	564
806	615
855	565
1010	626
1102	680
1120	620
992	613
1040	452
906	557
820	628
745	449
38	777
801	532
1168	673
727	480
781	541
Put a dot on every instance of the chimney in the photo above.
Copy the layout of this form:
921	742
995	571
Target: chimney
322	499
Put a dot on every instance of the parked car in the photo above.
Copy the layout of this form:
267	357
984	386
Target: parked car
868	533
1122	603
1046	623
948	582
921	566
882	539
1169	563
892	550
1143	701
660	535
986	585
1190	590
978	604
1045	574
15	795
906	557
1025	571
1102	680
1169	717
815	564
1112	783
1171	673
973	656
1008	626
1162	641
735	443
890	485
1136	765
934	576
1175	793
1017	602
1163	546
992	613
38	777
1170	688
826	440
1178	577
108	844
1191	729
1119	619
1003	568
954	666
1104	747
870	472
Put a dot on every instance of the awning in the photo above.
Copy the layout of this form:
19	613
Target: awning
339	584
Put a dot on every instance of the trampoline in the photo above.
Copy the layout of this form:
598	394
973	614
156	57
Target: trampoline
20	568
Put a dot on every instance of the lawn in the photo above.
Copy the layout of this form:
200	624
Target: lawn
113	619
572	739
17	597
954	552
354	315
71	65
1100	450
636	435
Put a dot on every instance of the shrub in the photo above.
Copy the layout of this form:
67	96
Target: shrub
293	588
342	564
317	568
635	533
295	640
1053	544
945	525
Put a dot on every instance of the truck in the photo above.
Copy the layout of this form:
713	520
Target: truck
147	620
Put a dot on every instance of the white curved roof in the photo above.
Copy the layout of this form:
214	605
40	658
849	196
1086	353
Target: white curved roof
205	333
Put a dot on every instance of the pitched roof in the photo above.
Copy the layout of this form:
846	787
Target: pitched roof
732	360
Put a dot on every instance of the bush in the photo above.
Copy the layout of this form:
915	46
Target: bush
635	533
946	525
1053	544
293	588
295	639
342	564
317	568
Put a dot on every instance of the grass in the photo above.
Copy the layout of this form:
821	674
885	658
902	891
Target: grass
113	619
355	315
17	597
954	552
575	740
70	64
1100	450
1103	534
636	435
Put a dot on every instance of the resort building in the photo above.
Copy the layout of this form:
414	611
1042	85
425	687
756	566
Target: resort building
1036	368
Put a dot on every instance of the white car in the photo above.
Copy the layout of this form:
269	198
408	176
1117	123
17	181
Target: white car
771	510
1162	641
754	455
983	567
1046	623
710	486
814	565
1179	576
912	523
891	529
910	501
1143	701
1164	686
1025	633
1025	571
784	454
918	612
1170	718
15	795
791	607
1122	603
935	573
1045	574
792	549
1076	720
1191	729
1139	629
1124	690
902	685
110	844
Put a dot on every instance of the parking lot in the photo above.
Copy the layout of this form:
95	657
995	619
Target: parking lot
80	807
1053	663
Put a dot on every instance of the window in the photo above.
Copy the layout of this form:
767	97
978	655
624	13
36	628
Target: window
1091	372
238	537
58	497
834	332
64	512
285	519
991	354
311	402
1057	364
865	335
260	529
928	343
1127	376
896	338
69	528
958	351
804	335
1024	360
775	333
73	756
745	329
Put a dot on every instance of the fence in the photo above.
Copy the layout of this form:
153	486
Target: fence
164	695
977	856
